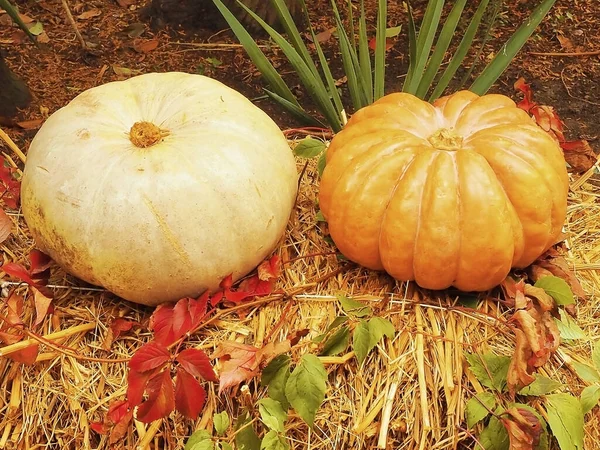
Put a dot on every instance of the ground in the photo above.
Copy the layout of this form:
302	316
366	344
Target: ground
121	44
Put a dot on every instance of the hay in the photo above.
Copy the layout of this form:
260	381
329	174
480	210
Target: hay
409	393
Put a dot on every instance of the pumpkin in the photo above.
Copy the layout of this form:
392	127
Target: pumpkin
454	193
159	186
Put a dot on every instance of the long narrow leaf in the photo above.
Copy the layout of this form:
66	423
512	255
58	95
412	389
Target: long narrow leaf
380	49
364	55
508	51
256	55
333	90
295	110
14	15
461	51
314	85
441	45
412	46
293	33
427	32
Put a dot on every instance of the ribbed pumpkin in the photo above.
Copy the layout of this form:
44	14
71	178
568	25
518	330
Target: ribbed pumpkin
159	186
450	194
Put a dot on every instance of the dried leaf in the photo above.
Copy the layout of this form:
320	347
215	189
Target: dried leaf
189	395
117	326
519	372
579	155
33	124
555	264
149	357
237	363
12	188
565	43
269	269
145	46
524	428
89	14
43	305
121	428
6	225
161	398
196	363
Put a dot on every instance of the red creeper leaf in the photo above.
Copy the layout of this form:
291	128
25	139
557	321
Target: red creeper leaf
18	271
117	326
5	226
182	322
121	427
43	306
12	188
26	356
136	385
196	363
189	395
117	410
150	356
198	308
39	262
161	398
171	322
99	427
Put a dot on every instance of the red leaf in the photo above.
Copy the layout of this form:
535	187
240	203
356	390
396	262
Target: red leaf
120	429
39	262
197	309
170	322
12	187
527	103
27	355
189	395
227	282
161	398
14	310
269	269
117	410
6	225
117	326
18	271
99	427
389	43
136	385
197	363
150	356
182	321
42	306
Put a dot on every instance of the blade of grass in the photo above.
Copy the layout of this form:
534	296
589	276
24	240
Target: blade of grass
314	85
412	46
364	55
508	51
295	110
486	35
441	45
256	55
14	15
461	51
380	44
427	32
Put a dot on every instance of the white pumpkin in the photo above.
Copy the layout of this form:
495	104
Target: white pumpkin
159	186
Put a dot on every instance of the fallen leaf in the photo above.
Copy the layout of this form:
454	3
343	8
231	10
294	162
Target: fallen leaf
26	19
149	357
26	356
125	3
89	14
6	225
269	269
33	124
189	395
12	188
117	326
43	306
135	29
552	263
579	155
124	71
519	375
389	43
43	38
161	398
145	46
121	428
324	35
36	29
565	43
523	427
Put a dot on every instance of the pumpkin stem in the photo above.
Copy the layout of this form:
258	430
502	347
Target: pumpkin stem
445	139
146	134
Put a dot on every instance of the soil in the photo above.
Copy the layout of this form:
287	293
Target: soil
121	43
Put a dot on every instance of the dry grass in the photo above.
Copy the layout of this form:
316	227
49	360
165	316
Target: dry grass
409	393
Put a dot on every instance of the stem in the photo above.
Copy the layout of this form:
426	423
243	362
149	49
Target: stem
6	138
73	24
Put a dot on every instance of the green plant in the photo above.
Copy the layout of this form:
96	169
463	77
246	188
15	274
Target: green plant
14	15
366	74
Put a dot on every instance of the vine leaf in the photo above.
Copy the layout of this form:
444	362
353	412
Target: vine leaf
479	406
189	394
306	386
161	398
565	417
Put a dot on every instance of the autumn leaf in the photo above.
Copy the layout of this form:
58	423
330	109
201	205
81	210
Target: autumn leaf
161	398
116	421
523	427
143	46
171	322
553	263
579	155
89	14
150	356
269	269
12	188
189	395
6	225
43	306
519	373
38	273
136	385
117	327
196	363
121	428
527	103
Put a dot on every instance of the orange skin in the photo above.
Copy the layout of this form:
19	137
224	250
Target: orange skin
450	194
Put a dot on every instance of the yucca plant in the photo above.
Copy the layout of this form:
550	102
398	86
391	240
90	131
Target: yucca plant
366	74
14	15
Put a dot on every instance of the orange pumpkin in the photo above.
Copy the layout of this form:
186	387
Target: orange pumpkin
450	194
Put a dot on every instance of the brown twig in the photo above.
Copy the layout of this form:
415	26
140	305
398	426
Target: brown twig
566	54
73	24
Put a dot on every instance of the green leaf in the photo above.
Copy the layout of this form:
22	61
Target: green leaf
221	422
246	438
339	320
361	341
225	446
214	62
353	307
393	31
272	414
380	327
256	55
590	397
479	406
380	44
306	386
557	288
321	163
13	13
586	372
319	217
461	51
200	440
494	436
364	53
294	109
568	328
596	355
541	386
490	369
37	29
508	51
275	376
273	441
565	417
309	147
337	343
469	301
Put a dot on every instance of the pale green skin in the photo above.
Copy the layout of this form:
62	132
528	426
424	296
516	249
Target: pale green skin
160	223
